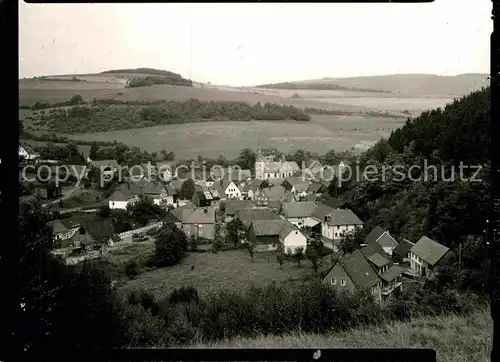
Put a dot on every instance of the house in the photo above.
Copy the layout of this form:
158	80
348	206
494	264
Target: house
316	188
102	231
264	235
298	212
231	190
275	205
202	198
67	233
199	222
105	165
297	185
425	256
279	234
171	195
165	170
27	153
47	190
291	238
338	223
251	189
401	252
155	190
235	174
383	238
313	168
354	273
332	202
267	167
274	193
247	216
124	195
233	206
390	273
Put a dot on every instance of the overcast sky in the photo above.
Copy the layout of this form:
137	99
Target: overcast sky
248	44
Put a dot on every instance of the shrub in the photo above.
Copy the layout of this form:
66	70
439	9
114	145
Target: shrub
184	295
131	269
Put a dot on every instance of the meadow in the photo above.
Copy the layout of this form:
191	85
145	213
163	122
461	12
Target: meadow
228	270
211	139
454	338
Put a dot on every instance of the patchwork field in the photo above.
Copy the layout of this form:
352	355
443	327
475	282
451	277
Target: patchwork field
231	270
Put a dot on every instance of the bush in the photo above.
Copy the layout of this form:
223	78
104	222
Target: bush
131	269
184	295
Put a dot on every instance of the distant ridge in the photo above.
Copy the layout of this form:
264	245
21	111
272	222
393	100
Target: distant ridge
409	85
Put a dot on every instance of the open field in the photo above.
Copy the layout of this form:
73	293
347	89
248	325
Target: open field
454	338
31	91
231	270
211	139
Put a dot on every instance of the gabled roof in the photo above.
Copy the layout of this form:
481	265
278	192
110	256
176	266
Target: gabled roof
232	206
252	185
301	187
392	273
378	260
275	193
248	215
189	214
100	229
287	228
321	211
176	184
104	163
359	270
332	202
387	241
429	250
171	190
267	227
373	235
275	205
315	187
343	217
372	248
226	182
314	163
153	188
298	209
403	248
57	226
203	195
292	165
294	180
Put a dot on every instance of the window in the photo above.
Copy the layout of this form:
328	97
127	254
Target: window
374	290
342	282
336	234
334	281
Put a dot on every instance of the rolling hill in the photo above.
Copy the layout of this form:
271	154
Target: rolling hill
407	85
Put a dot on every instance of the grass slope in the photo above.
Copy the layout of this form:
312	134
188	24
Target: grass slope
231	270
454	338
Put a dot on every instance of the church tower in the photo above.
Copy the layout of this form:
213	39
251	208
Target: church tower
260	164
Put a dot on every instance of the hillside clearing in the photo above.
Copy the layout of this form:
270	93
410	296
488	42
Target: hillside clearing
231	270
454	338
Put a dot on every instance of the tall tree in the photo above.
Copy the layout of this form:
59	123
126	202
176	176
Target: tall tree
187	189
170	245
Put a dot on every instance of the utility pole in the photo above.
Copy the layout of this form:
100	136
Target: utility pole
460	257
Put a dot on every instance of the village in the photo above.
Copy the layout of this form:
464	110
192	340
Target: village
281	209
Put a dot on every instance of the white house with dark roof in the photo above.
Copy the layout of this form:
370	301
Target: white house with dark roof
425	255
338	223
279	234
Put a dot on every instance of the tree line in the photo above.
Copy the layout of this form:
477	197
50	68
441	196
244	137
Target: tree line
97	116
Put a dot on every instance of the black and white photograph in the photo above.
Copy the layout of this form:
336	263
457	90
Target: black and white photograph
255	175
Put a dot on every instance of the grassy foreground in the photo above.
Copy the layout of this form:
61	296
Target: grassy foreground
454	338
